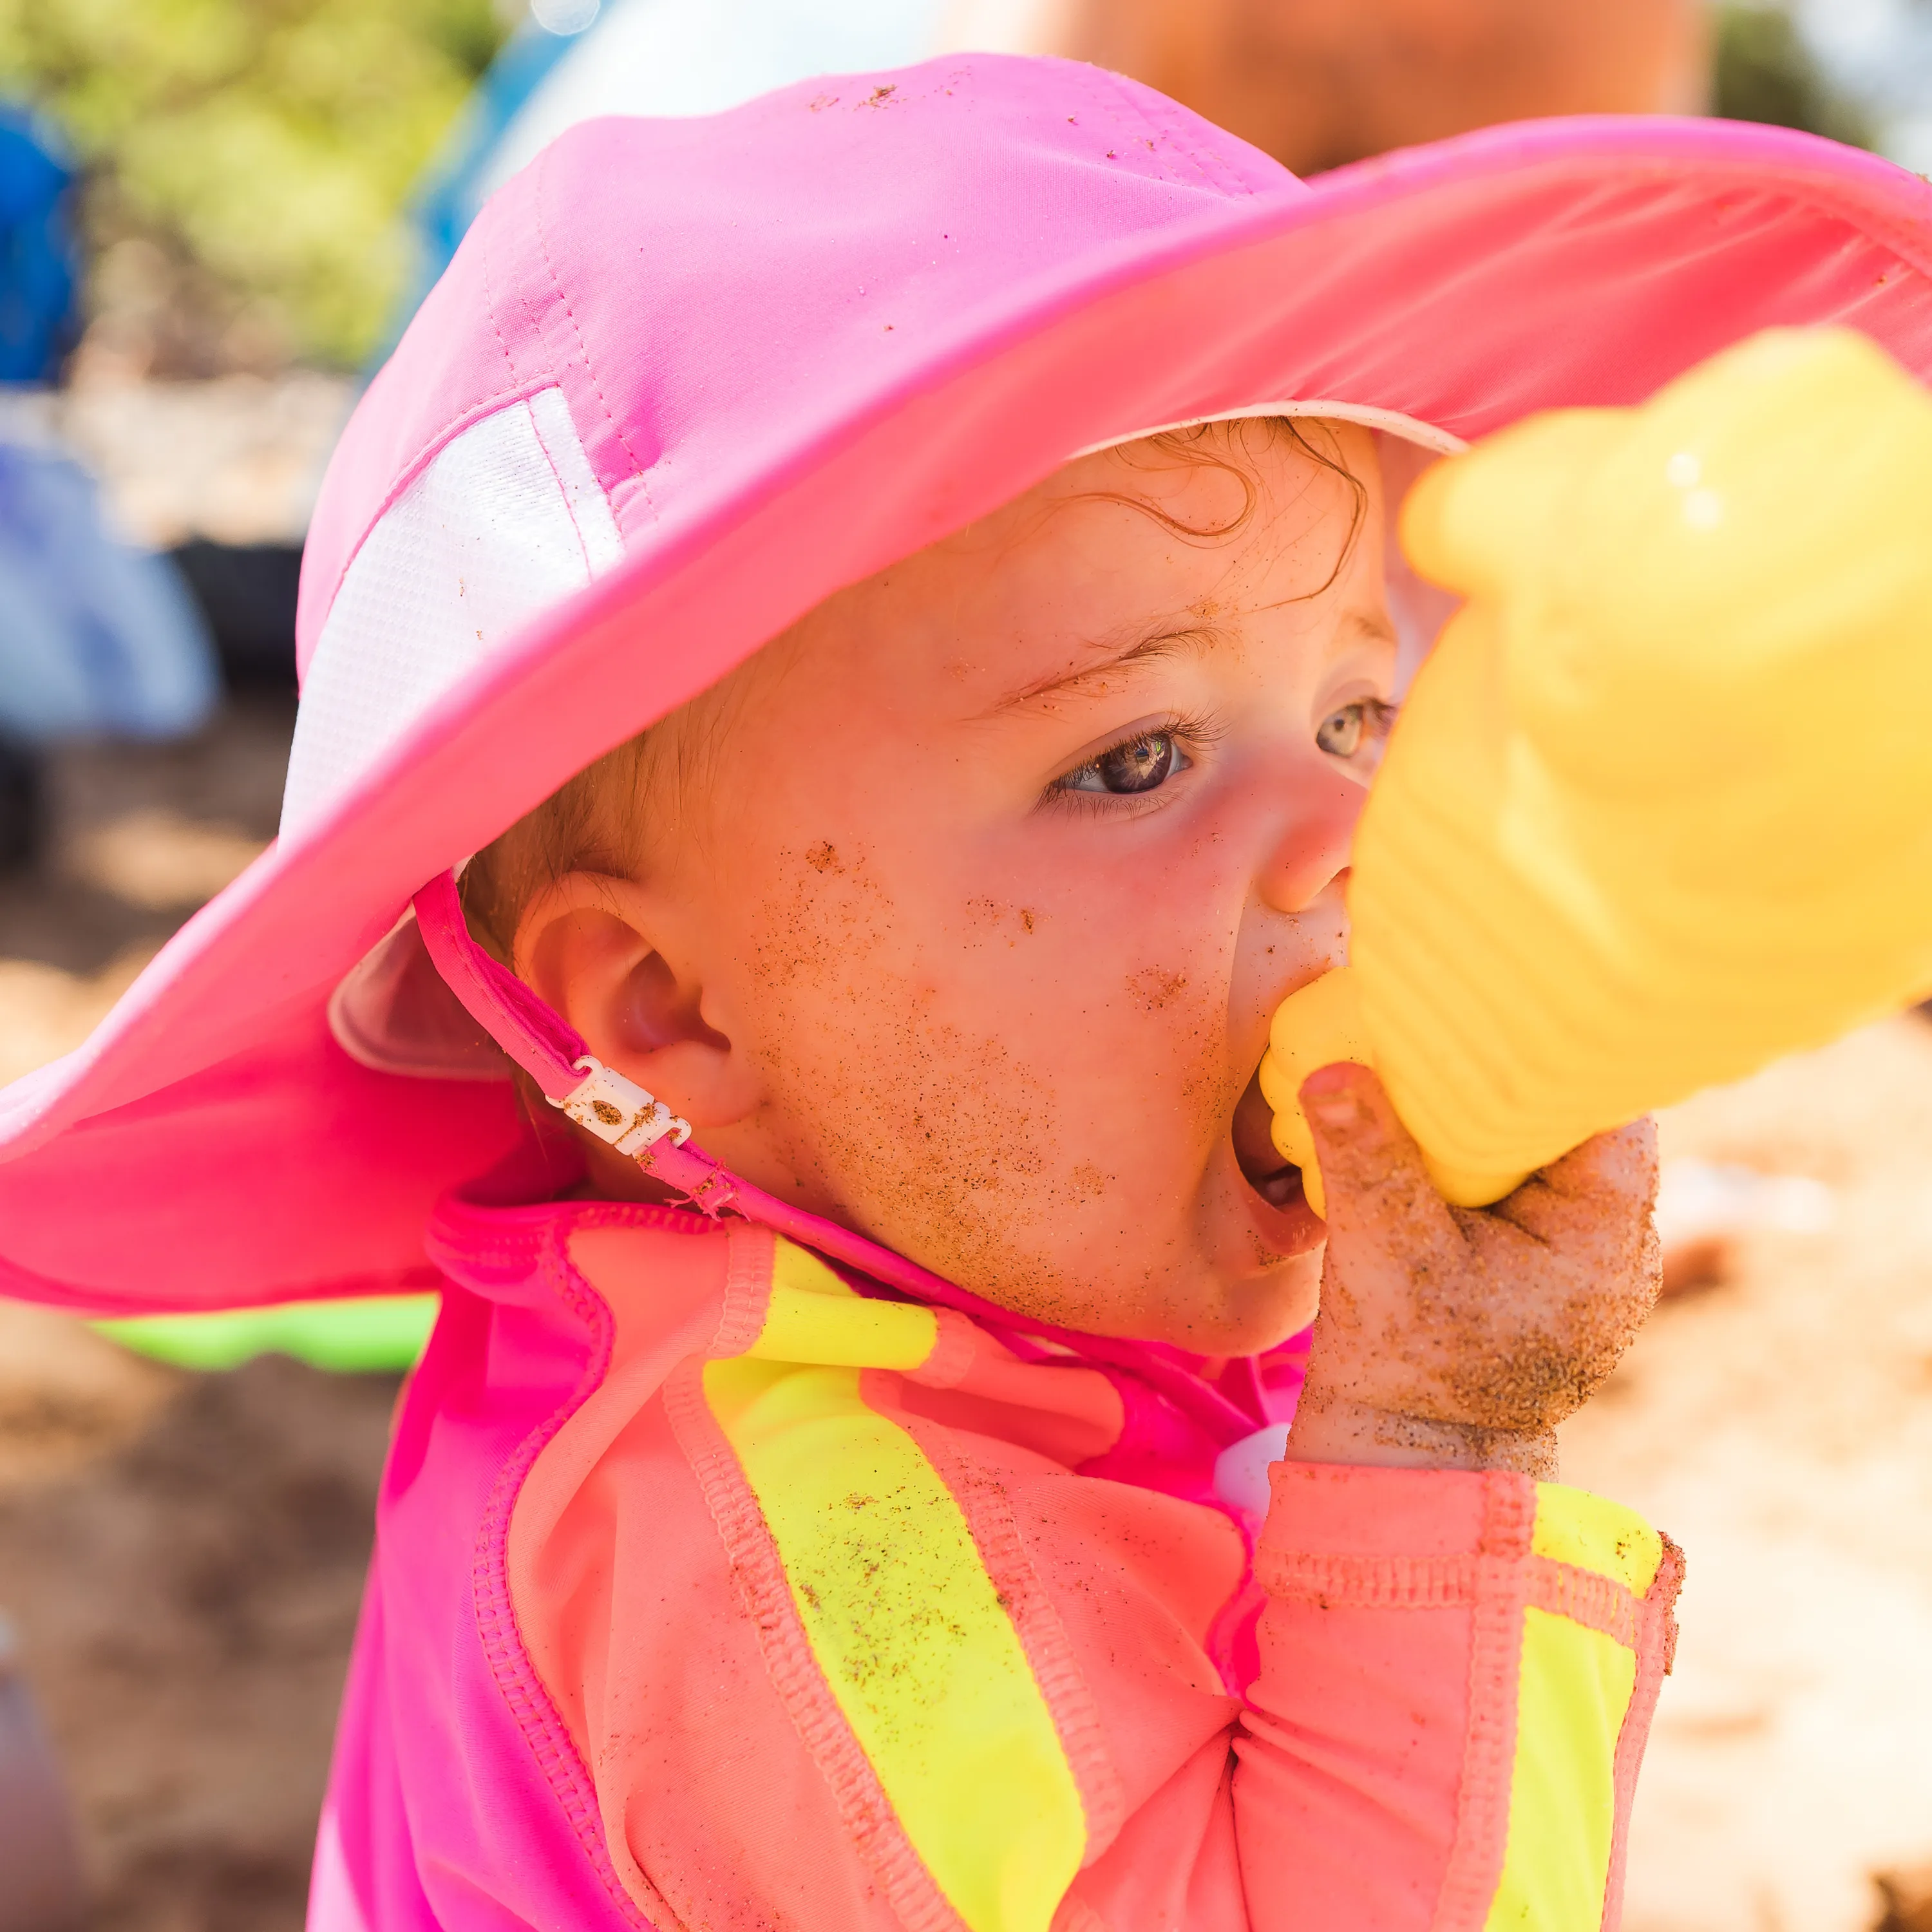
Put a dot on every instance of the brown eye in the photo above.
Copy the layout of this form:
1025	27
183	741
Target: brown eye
1339	734
1140	767
1144	764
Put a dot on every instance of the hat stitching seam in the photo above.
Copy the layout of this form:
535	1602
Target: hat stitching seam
562	489
490	307
583	347
439	438
1214	165
431	447
522	297
1129	97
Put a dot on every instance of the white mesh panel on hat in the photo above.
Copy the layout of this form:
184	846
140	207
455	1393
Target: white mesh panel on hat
507	518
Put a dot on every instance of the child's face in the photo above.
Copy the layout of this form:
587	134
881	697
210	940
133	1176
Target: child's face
972	896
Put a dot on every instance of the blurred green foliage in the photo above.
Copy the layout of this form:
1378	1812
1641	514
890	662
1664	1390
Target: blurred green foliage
271	142
1765	72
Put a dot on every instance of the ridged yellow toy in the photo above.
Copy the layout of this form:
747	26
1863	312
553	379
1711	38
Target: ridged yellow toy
1659	808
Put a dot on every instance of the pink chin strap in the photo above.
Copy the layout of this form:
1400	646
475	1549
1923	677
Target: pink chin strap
618	1111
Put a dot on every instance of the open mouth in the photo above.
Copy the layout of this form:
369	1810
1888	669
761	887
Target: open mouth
1277	1181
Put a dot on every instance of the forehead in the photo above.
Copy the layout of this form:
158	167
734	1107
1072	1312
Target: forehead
1212	488
1230	530
1216	520
1177	549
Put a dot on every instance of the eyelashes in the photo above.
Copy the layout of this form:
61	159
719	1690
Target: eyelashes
1343	733
1143	762
1137	765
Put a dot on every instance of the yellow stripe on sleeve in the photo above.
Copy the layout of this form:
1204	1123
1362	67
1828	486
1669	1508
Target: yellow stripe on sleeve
1595	1534
814	1317
905	1623
1576	1686
1574	1689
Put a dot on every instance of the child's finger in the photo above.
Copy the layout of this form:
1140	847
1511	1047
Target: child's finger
1378	1190
1610	1180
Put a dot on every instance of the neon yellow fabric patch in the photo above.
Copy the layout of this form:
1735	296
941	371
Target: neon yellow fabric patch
814	1317
1575	1686
905	1623
1573	1526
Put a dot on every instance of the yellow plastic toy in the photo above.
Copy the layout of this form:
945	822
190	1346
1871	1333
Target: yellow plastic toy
1659	808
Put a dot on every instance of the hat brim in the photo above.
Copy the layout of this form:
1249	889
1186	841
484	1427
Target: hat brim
211	1145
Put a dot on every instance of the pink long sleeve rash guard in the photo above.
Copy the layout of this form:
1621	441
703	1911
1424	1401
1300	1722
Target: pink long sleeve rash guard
709	1593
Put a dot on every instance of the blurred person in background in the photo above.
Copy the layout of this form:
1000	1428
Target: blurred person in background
1316	83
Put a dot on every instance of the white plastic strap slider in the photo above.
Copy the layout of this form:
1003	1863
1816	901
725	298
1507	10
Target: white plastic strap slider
620	1111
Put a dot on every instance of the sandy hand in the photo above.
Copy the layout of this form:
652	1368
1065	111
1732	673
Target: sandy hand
1458	1338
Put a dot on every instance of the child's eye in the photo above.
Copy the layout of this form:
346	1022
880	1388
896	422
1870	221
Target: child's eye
1144	763
1349	728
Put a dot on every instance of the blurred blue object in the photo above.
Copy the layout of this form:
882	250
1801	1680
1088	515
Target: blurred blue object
96	639
38	258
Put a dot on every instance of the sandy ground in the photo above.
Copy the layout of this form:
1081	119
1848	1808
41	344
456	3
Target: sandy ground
183	1557
183	1554
1779	1426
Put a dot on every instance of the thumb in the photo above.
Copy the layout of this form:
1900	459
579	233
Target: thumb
1376	1187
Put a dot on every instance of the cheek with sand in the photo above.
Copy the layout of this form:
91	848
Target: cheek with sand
924	1124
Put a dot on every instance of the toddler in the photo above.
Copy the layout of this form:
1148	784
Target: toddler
854	633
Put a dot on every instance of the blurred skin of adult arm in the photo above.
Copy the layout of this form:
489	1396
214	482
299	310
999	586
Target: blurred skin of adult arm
1319	83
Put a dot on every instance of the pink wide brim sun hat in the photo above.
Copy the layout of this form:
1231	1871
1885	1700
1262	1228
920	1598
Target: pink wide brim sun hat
684	380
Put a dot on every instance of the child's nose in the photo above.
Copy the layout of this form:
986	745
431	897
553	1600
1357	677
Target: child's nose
1309	859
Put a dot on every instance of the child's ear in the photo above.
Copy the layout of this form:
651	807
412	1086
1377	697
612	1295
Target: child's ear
590	945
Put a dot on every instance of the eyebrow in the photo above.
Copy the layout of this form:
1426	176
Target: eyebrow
1186	640
1189	641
